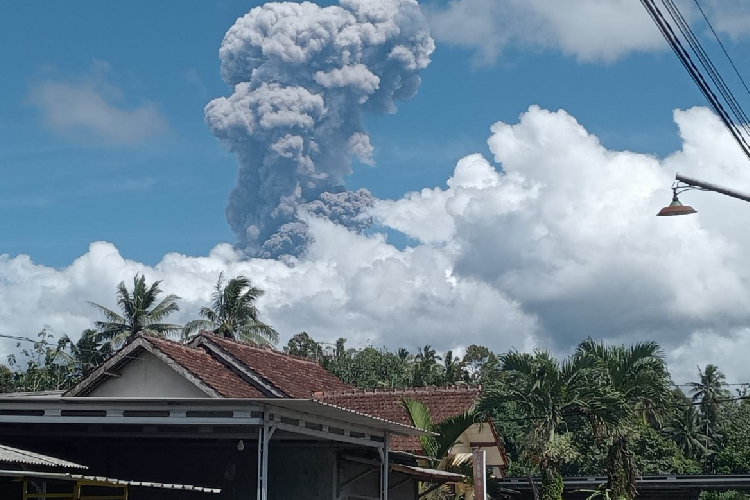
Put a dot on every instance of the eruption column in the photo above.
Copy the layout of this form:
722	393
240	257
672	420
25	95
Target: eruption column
302	77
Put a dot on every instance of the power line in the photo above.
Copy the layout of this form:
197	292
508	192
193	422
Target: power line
735	129
722	46
708	65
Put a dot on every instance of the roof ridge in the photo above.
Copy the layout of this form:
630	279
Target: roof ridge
154	341
400	390
264	348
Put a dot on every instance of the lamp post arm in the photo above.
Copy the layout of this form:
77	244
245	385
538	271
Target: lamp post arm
712	187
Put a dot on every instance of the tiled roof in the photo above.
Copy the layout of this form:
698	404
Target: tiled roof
210	371
443	402
294	376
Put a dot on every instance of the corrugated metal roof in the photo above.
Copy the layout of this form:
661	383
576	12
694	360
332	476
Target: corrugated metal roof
10	455
105	481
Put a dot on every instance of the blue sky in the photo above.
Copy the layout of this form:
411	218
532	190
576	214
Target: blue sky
61	191
578	114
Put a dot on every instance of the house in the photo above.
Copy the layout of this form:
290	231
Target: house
222	414
443	402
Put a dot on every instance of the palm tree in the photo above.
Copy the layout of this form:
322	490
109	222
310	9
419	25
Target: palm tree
685	430
448	432
426	368
545	392
141	314
233	313
453	369
639	375
709	393
88	352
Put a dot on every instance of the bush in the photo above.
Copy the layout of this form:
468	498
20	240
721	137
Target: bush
723	495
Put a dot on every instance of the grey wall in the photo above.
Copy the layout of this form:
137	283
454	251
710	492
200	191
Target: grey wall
148	376
301	473
369	485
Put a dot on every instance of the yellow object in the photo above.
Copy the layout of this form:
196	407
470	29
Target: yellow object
77	493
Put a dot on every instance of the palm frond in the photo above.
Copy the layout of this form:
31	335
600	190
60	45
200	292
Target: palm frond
109	314
166	307
195	326
260	329
419	415
450	431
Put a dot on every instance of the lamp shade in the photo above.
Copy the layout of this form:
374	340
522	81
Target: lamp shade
676	208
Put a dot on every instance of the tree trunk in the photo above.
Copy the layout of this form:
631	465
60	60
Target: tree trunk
620	471
552	481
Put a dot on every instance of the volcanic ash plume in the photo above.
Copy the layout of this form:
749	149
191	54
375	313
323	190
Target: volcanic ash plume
302	78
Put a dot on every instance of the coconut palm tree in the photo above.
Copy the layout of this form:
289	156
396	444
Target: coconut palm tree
426	370
709	392
545	392
639	375
233	313
685	430
141	313
87	353
453	369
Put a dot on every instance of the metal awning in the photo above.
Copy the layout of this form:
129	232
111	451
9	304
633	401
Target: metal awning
103	481
429	475
10	455
121	410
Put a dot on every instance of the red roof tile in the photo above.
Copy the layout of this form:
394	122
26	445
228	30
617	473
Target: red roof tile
443	402
294	376
207	369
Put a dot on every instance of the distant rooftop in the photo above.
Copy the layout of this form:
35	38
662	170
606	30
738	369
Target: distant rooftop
443	402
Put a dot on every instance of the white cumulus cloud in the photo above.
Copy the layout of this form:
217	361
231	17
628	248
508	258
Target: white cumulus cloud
553	239
589	30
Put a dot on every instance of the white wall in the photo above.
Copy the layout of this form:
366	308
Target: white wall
148	376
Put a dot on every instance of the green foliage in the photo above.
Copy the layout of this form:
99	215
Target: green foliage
552	484
141	313
39	367
371	367
44	364
656	452
233	313
449	430
7	383
722	495
710	391
305	346
547	392
733	457
87	353
638	375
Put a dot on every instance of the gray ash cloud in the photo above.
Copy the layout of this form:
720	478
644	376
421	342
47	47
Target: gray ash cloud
302	78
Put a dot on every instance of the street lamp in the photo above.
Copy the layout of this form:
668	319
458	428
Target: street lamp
684	183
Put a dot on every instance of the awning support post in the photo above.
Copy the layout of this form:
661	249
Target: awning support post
384	468
264	437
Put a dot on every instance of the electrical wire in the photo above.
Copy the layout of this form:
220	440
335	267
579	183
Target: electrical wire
697	76
722	45
708	65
